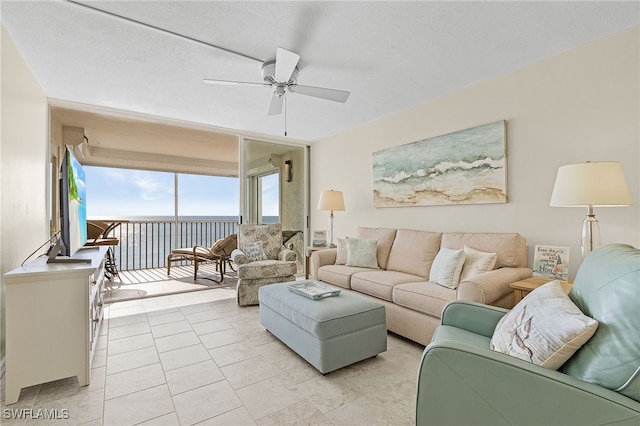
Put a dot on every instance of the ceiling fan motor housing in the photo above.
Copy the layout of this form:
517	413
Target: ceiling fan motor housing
269	72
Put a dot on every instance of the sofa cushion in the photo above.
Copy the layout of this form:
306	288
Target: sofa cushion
339	275
362	253
380	283
426	297
413	252
511	248
606	288
476	262
545	328
447	267
385	238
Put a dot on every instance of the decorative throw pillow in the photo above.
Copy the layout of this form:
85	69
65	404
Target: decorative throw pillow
545	328
254	251
476	262
446	267
341	255
362	253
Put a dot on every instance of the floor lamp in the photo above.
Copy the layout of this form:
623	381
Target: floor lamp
333	201
588	185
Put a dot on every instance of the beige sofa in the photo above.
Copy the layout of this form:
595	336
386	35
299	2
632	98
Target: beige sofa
413	303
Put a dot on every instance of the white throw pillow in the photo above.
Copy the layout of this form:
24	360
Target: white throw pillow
341	253
446	267
254	251
476	262
545	328
362	253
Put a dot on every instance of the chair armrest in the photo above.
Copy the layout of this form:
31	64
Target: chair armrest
238	257
287	254
474	317
462	384
488	287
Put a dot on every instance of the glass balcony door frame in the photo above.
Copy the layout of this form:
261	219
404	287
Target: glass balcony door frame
249	209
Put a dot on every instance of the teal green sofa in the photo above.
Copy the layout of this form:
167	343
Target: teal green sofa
461	381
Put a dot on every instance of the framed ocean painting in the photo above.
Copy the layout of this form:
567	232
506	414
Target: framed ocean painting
464	167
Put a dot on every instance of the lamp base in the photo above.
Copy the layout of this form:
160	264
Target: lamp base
590	235
330	236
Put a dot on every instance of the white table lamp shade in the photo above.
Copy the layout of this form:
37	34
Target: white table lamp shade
591	184
331	200
588	185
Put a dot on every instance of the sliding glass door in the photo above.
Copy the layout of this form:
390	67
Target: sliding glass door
268	198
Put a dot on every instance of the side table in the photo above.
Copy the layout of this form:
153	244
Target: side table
526	286
307	257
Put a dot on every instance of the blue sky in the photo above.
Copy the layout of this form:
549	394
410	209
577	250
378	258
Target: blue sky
122	192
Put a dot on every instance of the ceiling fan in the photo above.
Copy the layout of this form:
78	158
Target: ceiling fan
281	74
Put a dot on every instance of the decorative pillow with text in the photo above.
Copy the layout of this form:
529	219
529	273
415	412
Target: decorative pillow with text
254	251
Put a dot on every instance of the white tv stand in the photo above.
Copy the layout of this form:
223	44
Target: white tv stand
53	317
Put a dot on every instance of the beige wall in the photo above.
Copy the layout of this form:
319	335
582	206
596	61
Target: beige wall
579	106
24	221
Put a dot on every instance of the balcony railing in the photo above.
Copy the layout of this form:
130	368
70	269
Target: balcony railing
145	244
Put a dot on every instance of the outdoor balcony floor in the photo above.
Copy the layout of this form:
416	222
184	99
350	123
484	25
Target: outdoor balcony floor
143	283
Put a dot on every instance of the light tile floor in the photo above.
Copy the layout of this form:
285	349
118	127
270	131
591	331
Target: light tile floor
198	358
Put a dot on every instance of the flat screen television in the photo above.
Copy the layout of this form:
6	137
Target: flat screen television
73	211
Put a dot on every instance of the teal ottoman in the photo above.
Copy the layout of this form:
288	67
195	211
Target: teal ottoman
329	333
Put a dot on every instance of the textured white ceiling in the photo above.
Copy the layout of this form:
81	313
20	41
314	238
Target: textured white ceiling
390	55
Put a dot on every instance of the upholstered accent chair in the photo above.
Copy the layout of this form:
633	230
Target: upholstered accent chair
462	381
261	259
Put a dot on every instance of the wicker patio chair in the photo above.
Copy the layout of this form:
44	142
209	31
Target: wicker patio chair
219	252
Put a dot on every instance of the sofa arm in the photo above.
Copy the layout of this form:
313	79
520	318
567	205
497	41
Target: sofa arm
474	317
488	287
320	258
238	257
460	384
287	254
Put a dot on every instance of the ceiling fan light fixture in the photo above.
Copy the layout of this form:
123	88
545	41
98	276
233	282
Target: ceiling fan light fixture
269	74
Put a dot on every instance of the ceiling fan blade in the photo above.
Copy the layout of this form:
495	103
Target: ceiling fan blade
275	107
285	64
233	83
320	92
